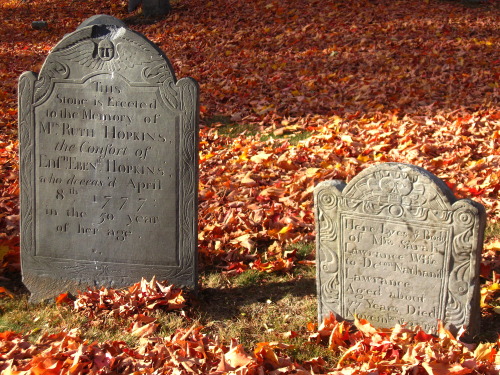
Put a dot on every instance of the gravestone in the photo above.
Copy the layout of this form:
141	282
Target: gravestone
102	19
395	246
150	8
109	169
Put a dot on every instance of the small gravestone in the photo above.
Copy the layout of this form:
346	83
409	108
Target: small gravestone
109	169
395	246
150	8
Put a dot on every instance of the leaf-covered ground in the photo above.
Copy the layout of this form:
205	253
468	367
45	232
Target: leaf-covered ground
308	90
360	348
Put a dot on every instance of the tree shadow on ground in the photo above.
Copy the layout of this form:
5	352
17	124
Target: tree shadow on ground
226	304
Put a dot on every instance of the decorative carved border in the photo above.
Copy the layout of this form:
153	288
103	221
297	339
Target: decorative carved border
181	97
396	191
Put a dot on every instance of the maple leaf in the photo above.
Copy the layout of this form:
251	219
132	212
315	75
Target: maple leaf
324	104
236	356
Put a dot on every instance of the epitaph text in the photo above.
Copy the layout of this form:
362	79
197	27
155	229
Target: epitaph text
395	247
108	165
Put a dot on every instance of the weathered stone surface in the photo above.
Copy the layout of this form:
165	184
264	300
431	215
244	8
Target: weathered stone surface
150	8
102	19
394	246
109	169
39	25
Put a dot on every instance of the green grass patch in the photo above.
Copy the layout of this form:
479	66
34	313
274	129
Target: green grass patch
226	127
492	230
249	277
218	121
293	138
19	315
260	307
252	307
304	250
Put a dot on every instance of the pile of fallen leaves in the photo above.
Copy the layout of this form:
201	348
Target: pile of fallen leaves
363	82
142	296
402	350
133	303
256	196
362	349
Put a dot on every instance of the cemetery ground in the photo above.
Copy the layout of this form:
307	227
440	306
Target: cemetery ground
292	93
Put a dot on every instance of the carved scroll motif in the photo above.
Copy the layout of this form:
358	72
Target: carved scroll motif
327	204
463	260
105	97
395	246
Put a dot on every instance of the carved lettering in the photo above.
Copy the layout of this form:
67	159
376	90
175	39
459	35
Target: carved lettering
86	230
113	132
100	159
391	245
109	173
67	129
48	127
62	99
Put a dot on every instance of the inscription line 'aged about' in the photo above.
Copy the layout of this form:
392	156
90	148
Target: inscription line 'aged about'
395	246
109	169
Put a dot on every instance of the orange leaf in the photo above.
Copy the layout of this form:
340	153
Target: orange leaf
64	298
145	330
237	357
6	292
436	368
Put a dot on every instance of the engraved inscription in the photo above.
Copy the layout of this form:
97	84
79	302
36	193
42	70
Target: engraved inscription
395	246
386	263
102	173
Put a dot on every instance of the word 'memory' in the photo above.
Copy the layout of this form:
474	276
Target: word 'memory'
89	114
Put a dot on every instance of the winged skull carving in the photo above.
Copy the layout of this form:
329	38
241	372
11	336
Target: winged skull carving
108	55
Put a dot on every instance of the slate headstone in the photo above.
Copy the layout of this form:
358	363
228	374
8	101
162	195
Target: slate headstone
150	8
395	246
39	25
109	169
102	19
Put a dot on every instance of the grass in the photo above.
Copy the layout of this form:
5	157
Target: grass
252	307
226	127
293	138
492	230
258	307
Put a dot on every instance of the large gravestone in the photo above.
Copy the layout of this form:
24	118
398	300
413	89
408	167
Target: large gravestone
109	169
395	246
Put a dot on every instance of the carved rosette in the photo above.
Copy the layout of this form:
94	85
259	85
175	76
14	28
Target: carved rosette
399	193
111	51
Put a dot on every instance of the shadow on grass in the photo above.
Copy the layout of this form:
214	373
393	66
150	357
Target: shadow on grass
227	303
